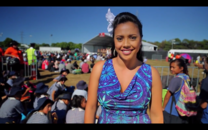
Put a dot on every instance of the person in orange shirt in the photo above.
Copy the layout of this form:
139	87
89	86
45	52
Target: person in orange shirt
14	52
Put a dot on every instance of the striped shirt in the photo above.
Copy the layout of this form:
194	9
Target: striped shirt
60	105
38	117
11	108
54	87
61	109
75	115
35	103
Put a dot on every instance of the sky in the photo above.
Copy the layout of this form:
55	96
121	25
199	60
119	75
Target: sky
80	24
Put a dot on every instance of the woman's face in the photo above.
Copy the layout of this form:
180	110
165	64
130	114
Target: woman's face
47	108
175	69
127	40
84	103
14	46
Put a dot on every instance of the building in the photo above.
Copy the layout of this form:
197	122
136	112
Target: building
105	41
50	49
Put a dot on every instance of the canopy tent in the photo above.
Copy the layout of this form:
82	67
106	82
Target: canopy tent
98	42
105	41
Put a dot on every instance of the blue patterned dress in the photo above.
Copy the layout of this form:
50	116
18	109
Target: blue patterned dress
130	106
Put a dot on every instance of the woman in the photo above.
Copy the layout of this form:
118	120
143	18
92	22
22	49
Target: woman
124	85
177	67
76	114
14	52
41	113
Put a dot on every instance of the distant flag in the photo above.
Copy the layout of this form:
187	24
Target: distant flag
102	34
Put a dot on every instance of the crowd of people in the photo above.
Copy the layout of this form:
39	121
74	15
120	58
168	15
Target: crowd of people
58	103
122	86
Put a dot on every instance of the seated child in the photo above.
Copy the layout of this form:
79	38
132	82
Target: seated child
76	114
57	88
61	107
12	108
41	113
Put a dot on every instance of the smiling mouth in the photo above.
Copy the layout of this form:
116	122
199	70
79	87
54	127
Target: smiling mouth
126	52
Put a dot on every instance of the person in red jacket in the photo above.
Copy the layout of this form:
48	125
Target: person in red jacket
45	64
85	67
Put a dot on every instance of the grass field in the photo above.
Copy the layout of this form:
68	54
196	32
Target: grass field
47	76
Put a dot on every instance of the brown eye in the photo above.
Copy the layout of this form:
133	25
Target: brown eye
133	38
119	39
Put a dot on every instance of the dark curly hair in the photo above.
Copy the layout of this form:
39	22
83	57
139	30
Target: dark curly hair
123	18
77	101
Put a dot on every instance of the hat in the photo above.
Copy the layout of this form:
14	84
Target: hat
12	73
18	81
41	101
32	44
63	60
85	60
68	60
14	90
13	43
65	96
62	77
81	85
41	88
64	70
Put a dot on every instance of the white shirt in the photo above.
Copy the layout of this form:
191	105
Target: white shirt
198	58
34	52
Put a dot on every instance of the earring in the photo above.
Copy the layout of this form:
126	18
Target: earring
114	52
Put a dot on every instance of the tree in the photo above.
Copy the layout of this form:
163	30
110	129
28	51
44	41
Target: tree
44	44
177	40
37	46
6	42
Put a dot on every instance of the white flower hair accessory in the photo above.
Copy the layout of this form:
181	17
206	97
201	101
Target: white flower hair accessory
110	17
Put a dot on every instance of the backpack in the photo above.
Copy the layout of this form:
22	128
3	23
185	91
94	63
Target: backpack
186	104
59	92
13	61
164	92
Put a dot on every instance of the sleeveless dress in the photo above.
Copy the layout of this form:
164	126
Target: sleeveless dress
130	106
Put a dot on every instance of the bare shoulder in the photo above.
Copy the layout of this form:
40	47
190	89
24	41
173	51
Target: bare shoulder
156	79
154	71
97	70
99	65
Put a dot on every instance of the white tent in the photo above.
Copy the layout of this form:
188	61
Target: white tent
106	41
